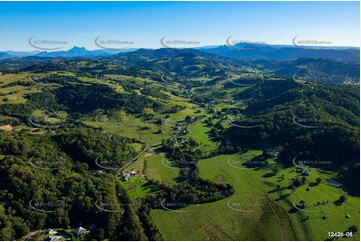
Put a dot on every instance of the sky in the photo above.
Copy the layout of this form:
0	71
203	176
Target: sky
144	24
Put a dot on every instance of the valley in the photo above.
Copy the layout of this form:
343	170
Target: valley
216	149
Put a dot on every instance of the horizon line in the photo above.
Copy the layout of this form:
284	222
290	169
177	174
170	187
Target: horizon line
200	47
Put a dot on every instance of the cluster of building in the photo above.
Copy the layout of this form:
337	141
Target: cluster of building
54	235
127	176
274	153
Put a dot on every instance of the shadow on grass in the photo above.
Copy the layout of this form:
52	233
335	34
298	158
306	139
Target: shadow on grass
151	186
305	219
313	184
278	189
338	202
268	175
293	210
282	197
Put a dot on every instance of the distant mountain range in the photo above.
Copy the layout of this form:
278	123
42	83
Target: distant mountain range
82	52
16	54
286	53
75	52
239	51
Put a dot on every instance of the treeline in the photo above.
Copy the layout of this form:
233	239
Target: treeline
56	174
85	98
112	150
81	98
320	122
187	193
17	83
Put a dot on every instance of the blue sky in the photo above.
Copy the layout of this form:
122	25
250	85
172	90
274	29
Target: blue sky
145	23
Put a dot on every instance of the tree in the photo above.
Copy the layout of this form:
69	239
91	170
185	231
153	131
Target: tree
188	119
302	204
20	227
352	229
7	233
342	199
100	234
293	188
275	169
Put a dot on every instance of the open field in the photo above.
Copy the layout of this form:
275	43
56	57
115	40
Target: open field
255	204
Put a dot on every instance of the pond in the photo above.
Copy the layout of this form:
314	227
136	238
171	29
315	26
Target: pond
334	183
